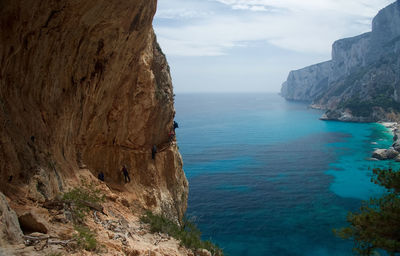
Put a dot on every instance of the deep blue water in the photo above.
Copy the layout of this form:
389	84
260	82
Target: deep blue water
267	177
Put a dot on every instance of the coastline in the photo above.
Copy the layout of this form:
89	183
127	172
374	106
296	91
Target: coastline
392	126
393	152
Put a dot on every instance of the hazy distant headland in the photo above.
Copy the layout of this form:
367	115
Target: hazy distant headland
361	83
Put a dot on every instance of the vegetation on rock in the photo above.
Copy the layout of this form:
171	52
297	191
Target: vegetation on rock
80	201
86	238
187	233
376	226
364	108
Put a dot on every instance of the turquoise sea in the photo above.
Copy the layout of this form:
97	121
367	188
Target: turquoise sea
267	177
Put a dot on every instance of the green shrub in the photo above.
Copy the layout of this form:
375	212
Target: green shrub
358	107
86	238
78	200
188	234
376	225
364	108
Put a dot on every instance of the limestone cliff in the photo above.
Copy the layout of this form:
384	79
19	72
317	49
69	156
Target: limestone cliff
363	83
306	83
347	55
84	85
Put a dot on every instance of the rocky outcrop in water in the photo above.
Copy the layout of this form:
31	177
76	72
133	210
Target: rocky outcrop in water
392	152
84	85
384	154
362	80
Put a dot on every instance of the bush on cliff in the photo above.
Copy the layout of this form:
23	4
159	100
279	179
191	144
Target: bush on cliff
79	201
377	225
86	238
187	233
364	108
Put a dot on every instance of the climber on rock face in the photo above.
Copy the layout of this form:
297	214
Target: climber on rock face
153	152
126	174
171	136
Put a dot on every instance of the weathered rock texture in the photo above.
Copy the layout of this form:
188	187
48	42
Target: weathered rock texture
363	81
84	84
10	231
117	227
384	154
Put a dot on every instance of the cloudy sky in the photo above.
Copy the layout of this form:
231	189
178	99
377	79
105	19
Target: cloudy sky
251	45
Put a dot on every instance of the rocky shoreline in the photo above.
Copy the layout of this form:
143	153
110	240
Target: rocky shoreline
394	151
379	153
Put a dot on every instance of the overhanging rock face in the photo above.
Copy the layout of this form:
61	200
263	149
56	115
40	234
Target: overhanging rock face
84	84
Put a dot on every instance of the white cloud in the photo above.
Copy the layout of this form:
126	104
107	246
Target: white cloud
256	8
359	7
213	27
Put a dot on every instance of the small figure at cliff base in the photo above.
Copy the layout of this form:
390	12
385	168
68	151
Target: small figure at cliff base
101	176
153	152
126	174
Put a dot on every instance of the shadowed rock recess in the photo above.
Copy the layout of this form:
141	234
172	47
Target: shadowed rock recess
85	87
362	81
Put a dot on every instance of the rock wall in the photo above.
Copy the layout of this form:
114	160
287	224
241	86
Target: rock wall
348	55
385	35
306	83
84	84
364	81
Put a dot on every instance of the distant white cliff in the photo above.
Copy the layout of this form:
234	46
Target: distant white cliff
362	81
306	83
